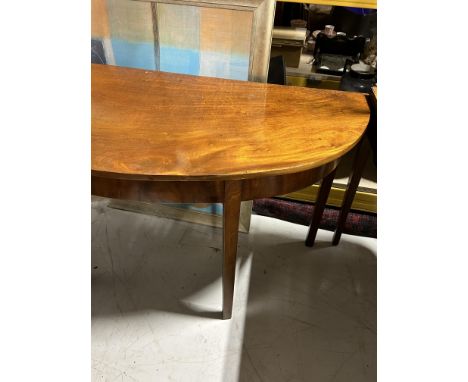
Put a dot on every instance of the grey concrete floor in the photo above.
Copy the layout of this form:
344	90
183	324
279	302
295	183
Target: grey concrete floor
300	314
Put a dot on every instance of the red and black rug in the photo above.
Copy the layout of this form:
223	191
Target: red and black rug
358	223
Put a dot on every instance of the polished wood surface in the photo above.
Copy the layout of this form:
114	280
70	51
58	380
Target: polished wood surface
232	192
205	191
167	137
360	160
164	126
324	191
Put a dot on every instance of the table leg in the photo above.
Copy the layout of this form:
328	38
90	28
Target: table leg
231	211
322	197
358	167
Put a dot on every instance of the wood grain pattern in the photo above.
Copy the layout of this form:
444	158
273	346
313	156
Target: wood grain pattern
163	126
232	199
204	191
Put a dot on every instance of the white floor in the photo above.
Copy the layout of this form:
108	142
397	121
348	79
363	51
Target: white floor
300	314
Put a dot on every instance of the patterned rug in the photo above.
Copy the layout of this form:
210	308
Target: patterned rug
358	223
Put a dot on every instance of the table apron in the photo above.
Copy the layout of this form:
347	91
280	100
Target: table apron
206	191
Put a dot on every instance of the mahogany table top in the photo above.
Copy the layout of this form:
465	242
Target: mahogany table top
164	126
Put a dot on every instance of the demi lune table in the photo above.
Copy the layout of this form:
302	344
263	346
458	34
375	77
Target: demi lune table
163	137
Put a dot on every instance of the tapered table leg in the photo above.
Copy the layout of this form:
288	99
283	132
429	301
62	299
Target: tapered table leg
362	154
231	211
322	197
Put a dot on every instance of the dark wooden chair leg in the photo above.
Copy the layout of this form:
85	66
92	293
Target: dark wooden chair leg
232	201
322	197
358	167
